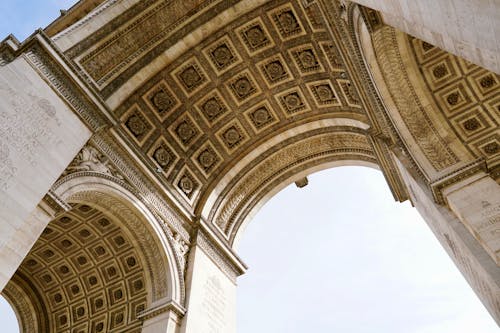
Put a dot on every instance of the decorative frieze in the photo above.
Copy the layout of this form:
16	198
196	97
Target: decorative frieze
220	254
90	159
60	82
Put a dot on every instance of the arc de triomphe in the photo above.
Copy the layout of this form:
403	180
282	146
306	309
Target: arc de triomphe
137	138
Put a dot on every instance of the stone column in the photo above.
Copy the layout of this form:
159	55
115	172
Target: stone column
39	136
211	286
20	241
476	265
476	202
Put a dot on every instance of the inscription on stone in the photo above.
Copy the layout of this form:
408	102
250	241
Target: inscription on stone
214	305
490	215
471	273
25	125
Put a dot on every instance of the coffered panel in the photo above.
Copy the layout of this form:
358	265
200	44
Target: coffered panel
274	68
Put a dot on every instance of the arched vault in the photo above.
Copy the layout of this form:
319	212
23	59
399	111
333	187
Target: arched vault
202	110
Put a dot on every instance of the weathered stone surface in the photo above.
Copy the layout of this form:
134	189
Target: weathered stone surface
39	136
205	109
448	25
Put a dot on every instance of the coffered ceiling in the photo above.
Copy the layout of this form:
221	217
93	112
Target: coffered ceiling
270	69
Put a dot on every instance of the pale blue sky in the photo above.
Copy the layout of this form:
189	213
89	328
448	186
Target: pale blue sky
336	256
23	17
340	255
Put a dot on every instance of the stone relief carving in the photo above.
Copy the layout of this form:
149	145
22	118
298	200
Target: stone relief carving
182	248
382	127
90	159
343	5
117	53
5	57
413	113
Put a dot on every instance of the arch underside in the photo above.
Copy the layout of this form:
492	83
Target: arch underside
445	109
86	274
216	105
256	69
233	203
97	267
198	87
91	179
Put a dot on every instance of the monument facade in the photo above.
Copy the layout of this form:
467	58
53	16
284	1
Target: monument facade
138	138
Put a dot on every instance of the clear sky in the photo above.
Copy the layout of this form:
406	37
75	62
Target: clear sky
340	255
336	256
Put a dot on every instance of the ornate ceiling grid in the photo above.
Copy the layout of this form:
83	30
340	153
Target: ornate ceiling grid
111	55
87	273
274	68
466	94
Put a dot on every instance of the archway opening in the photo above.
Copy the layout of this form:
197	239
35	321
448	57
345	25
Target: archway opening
341	256
85	273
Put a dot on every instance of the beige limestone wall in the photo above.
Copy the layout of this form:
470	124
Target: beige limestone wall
467	28
163	323
478	268
211	295
39	136
93	21
20	241
476	202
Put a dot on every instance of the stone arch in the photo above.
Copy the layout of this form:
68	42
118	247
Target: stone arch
444	122
86	273
443	108
209	94
100	266
283	159
111	194
26	306
292	176
219	103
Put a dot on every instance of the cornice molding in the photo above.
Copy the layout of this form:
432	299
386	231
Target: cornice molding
439	185
50	64
157	309
220	253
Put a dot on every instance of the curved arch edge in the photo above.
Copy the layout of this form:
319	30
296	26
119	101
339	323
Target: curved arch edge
117	200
